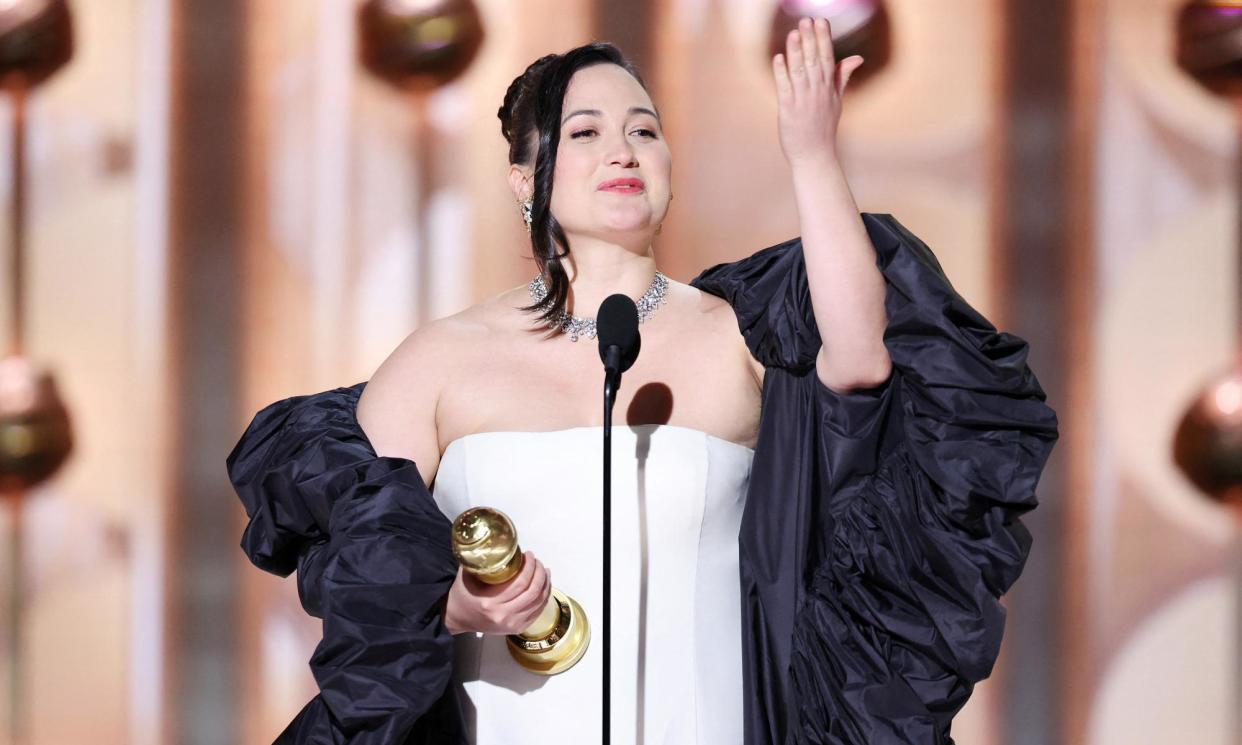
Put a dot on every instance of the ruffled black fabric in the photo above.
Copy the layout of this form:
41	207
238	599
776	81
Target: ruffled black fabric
880	529
881	525
374	561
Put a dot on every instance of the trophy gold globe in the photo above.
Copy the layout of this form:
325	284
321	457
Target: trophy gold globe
485	544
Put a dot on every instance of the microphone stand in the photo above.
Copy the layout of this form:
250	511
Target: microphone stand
612	381
619	344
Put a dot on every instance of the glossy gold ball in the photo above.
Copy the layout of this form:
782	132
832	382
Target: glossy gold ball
485	544
418	45
35	436
36	39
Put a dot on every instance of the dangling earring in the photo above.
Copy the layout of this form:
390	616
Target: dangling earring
526	212
661	225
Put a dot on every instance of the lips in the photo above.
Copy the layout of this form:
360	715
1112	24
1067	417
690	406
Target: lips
623	185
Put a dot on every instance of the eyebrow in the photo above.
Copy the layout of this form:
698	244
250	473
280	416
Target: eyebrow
596	112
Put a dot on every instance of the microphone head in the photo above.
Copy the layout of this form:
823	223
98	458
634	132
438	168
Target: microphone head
616	324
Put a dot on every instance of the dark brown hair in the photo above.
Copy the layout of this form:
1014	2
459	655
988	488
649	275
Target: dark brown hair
533	104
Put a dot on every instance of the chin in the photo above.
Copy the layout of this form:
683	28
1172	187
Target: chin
630	229
622	233
630	223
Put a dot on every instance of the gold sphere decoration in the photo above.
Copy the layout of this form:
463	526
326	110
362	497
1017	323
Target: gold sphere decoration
36	39
858	27
1209	44
418	45
35	434
1207	445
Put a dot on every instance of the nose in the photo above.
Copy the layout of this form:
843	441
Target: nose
621	152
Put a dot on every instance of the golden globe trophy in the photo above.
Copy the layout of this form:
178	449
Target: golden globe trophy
485	544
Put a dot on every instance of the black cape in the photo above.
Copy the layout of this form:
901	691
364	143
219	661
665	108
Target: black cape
880	528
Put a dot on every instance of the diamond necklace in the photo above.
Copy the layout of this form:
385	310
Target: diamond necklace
576	326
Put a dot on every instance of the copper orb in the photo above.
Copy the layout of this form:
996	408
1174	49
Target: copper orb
35	435
418	45
858	27
1207	445
36	39
1209	44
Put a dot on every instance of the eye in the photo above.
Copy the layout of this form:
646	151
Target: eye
648	131
575	135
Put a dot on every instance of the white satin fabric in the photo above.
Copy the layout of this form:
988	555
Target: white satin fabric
677	500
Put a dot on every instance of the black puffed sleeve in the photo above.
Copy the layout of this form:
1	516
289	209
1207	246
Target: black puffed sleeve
772	301
914	491
374	561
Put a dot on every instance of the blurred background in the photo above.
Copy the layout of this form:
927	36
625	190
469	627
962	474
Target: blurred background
208	206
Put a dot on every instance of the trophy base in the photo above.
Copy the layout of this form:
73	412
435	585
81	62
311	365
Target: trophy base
561	649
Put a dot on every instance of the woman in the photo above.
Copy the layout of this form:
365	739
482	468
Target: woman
811	528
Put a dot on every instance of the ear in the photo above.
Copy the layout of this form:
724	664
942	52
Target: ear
521	181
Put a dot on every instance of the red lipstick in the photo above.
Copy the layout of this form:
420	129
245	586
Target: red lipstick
623	185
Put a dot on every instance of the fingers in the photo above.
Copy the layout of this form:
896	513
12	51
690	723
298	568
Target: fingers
534	591
780	73
808	62
848	66
807	32
540	590
797	65
823	43
508	608
521	581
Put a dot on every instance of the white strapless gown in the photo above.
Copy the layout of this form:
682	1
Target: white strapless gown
677	499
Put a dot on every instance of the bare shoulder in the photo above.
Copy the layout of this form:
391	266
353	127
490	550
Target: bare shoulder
718	313
416	368
397	410
709	304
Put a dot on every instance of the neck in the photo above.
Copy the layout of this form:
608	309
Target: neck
598	268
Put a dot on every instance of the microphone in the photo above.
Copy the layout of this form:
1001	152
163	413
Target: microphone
616	327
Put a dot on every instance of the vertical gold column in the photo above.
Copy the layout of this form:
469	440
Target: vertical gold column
517	35
276	328
204	281
1041	229
1078	277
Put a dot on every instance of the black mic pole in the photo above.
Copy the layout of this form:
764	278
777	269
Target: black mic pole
616	326
611	383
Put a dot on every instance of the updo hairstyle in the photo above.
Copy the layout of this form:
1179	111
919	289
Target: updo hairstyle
533	104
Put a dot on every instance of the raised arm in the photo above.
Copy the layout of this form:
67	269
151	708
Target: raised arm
881	540
847	289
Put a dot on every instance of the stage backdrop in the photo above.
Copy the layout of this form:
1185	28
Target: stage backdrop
1141	640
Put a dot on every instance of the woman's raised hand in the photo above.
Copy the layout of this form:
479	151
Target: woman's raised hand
809	87
474	605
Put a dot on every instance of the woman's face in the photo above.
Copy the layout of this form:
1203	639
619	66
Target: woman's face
609	131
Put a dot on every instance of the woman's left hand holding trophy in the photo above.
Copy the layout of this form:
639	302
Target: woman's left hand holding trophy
501	589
